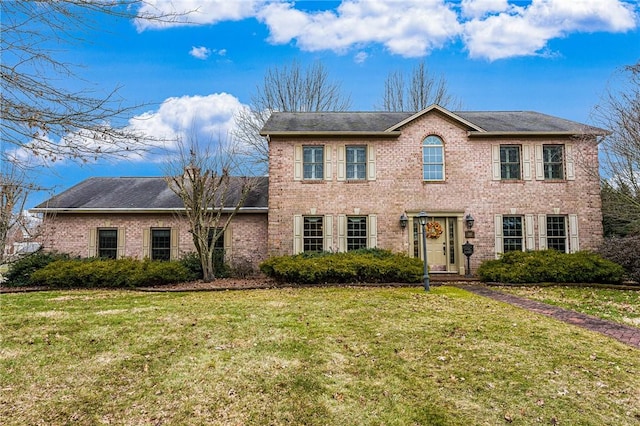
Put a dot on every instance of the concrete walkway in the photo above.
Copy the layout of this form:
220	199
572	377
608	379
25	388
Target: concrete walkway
623	333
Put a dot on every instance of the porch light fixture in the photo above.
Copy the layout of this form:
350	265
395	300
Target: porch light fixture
469	220
422	219
404	220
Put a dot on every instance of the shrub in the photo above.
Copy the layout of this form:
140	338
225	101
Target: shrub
241	267
624	251
191	261
121	273
550	266
20	271
372	265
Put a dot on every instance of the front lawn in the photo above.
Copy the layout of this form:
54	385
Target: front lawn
314	356
622	306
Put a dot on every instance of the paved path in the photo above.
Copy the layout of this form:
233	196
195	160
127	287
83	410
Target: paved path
623	333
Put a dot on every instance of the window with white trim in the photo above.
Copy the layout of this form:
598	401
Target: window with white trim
512	234
356	232
312	233
553	162
510	162
313	162
432	159
557	233
356	162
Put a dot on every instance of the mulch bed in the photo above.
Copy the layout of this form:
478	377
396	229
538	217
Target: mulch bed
220	284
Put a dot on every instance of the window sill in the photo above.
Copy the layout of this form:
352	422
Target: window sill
313	181
356	181
512	181
428	182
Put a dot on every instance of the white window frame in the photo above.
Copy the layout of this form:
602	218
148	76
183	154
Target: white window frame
428	145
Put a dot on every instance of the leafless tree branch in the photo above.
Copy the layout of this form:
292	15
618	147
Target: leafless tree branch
286	89
424	90
204	177
39	114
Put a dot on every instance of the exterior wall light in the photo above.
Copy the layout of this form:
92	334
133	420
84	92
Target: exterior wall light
469	220
404	220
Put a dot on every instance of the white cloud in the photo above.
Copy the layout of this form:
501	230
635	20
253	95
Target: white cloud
360	57
193	12
491	29
206	118
480	8
200	52
409	28
521	31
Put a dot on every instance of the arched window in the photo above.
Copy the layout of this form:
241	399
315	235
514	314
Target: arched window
432	158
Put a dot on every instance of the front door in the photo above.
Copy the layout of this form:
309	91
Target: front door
441	243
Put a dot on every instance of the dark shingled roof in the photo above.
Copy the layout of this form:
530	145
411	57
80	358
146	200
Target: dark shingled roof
140	193
487	121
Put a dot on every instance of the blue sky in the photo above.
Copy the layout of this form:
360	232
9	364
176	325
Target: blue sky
551	56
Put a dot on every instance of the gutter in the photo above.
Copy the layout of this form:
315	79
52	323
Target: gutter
326	133
530	134
135	210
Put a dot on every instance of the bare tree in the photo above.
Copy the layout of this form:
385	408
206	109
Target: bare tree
203	177
620	152
39	113
423	90
14	190
287	89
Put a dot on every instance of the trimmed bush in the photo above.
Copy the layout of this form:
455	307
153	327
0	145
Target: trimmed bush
550	266
20	271
624	251
191	261
370	265
100	273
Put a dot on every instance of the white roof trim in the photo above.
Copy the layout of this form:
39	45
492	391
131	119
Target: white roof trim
438	108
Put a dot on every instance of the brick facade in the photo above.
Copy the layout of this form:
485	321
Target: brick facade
468	188
71	233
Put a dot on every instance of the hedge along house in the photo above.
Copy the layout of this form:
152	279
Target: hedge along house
140	217
341	181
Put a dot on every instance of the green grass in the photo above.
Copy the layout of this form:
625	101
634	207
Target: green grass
315	356
622	306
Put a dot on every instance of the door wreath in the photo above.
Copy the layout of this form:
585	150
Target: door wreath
433	230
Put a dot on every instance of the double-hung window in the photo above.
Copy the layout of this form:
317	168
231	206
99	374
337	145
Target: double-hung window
356	162
218	253
160	244
432	159
356	232
553	162
512	235
312	233
557	233
510	162
313	162
108	243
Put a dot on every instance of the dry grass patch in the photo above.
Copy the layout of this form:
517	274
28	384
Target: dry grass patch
304	356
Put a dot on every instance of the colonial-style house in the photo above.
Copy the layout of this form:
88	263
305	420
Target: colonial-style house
340	181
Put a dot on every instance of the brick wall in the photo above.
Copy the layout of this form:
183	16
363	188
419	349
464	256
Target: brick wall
69	233
468	188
